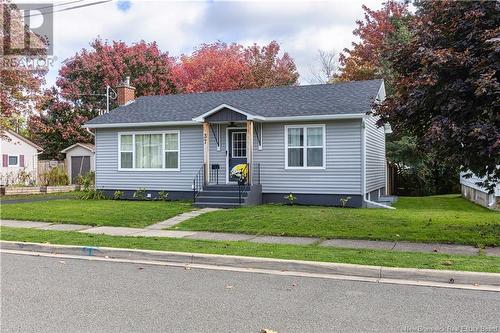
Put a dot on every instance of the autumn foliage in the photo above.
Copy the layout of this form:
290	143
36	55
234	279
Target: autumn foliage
58	125
447	84
218	66
20	86
89	71
365	60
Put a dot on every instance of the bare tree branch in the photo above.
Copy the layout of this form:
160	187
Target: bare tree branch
325	67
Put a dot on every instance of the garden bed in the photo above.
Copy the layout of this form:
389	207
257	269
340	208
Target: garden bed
26	190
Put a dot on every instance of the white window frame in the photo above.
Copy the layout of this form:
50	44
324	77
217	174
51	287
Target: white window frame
13	165
232	144
163	150
305	146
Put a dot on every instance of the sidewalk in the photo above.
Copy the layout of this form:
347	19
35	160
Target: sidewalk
217	236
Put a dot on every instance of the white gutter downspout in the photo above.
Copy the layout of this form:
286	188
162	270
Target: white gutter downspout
367	203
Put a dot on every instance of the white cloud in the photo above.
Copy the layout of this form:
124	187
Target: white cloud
300	27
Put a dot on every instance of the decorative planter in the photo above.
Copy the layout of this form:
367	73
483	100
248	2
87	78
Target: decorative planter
56	189
13	190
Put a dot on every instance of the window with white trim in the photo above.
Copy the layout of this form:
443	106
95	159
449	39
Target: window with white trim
13	160
305	146
149	151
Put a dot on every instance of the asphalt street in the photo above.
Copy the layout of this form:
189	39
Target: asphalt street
40	294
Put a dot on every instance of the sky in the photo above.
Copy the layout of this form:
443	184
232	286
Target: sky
300	27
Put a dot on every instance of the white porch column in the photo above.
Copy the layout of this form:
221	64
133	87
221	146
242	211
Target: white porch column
206	151
250	149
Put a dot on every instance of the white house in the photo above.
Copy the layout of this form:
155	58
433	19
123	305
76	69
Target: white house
80	159
478	194
19	159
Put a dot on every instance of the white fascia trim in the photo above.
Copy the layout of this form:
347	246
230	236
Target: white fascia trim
75	145
198	120
316	117
249	116
149	124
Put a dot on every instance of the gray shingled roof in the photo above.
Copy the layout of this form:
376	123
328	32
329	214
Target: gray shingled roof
323	99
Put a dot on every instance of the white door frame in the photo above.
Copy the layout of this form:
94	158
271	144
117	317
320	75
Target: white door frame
227	151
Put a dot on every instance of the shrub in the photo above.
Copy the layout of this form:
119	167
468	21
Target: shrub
140	194
118	195
92	195
162	195
55	177
290	198
344	201
17	178
86	181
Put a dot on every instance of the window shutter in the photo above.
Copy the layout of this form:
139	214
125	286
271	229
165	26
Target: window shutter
5	159
21	161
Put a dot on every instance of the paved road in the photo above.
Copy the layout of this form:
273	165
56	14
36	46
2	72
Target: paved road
66	295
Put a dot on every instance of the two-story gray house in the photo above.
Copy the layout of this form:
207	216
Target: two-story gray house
317	142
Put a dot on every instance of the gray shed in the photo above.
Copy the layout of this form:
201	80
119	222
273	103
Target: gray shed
80	159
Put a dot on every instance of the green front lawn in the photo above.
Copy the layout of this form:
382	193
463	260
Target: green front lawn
447	219
299	252
96	212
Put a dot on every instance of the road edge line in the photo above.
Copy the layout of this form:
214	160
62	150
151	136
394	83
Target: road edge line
374	273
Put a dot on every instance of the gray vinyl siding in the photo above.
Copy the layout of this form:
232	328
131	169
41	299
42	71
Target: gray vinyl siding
375	155
341	176
108	176
218	157
343	161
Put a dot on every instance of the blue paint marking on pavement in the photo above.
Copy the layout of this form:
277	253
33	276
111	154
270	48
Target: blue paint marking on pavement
89	250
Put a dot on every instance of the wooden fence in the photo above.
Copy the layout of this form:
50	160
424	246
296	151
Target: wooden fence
46	165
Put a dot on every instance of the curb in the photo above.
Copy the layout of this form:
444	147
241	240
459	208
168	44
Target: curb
375	272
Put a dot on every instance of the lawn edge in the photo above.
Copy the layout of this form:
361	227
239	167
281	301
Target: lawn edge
378	273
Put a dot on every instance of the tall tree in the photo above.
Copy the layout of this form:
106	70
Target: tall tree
58	124
89	71
19	84
212	67
325	71
446	84
365	60
267	69
218	66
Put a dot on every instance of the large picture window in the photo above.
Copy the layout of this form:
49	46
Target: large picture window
149	151
305	146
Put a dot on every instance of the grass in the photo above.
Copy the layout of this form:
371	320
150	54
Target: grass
72	194
446	219
299	252
96	212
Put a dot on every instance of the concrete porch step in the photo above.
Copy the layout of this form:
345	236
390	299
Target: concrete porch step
216	205
217	199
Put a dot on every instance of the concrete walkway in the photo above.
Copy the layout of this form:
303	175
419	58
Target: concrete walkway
153	231
180	218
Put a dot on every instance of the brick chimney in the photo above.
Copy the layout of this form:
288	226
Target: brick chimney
125	92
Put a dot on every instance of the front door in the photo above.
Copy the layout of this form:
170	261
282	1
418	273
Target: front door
237	149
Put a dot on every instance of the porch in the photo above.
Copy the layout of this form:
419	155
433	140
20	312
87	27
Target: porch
230	137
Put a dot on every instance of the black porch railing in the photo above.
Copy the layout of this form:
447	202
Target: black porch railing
198	182
244	184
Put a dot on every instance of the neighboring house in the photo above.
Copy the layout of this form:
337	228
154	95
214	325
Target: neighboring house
314	141
19	159
478	194
80	159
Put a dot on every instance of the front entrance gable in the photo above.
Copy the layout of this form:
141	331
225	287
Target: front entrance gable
226	113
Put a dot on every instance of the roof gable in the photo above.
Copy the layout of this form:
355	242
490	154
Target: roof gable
25	140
